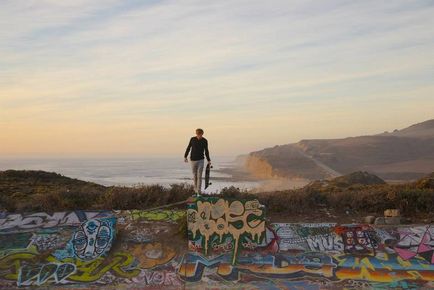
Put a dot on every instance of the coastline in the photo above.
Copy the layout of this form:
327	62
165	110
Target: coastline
238	173
136	172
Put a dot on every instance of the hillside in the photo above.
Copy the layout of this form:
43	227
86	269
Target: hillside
29	190
400	155
358	193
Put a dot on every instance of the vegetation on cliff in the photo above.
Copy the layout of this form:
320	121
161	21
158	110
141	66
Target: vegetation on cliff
359	193
38	190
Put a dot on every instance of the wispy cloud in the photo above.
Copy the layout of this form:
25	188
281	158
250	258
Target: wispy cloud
262	68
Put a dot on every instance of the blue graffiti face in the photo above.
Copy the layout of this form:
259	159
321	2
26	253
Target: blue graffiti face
92	239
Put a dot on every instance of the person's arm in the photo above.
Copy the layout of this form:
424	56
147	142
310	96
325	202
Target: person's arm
187	150
207	151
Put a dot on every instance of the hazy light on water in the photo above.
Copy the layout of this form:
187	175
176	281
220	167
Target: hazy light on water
124	171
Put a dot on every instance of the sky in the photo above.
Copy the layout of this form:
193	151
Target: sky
130	77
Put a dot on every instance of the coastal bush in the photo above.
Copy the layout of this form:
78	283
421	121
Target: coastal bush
40	193
145	196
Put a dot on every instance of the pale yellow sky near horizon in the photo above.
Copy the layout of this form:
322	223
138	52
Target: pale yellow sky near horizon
112	78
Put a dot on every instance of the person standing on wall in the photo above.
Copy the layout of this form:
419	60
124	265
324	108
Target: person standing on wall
198	145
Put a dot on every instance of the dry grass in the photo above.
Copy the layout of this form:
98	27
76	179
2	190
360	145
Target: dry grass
21	192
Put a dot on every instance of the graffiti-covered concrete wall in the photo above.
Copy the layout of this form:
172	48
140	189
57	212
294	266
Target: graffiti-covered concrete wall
301	256
328	256
137	249
229	246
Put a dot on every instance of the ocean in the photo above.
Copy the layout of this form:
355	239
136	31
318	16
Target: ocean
128	171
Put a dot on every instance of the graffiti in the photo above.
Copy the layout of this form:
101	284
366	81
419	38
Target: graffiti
267	245
229	245
195	246
40	274
358	239
416	241
148	231
157	278
151	255
194	264
120	265
309	237
325	243
46	242
11	264
92	239
14	241
354	239
208	218
307	265
223	245
44	220
308	230
157	215
327	255
386	269
271	266
76	251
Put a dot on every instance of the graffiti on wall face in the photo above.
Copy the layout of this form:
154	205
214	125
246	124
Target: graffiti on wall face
90	240
257	265
150	255
93	238
358	239
325	255
29	268
11	222
417	241
225	222
157	215
78	251
40	274
338	270
308	237
95	250
16	241
47	241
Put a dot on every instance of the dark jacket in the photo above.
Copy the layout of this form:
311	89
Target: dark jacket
198	147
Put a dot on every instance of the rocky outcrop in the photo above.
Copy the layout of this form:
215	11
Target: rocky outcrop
359	177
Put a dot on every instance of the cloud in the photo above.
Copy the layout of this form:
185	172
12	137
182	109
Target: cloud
103	64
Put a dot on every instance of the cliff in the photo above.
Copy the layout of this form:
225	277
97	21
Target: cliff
405	154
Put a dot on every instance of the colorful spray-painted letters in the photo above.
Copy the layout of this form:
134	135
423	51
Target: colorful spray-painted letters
226	222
